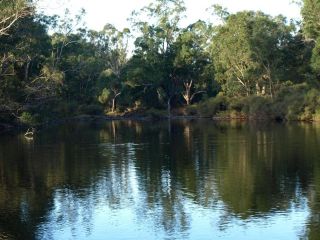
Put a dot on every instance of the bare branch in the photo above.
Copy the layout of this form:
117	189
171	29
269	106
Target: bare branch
10	13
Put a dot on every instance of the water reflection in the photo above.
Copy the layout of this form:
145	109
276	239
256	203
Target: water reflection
191	179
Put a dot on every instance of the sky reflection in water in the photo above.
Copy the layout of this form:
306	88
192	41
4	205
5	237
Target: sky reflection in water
140	180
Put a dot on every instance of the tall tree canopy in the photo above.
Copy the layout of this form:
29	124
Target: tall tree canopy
247	52
75	70
311	18
11	11
311	29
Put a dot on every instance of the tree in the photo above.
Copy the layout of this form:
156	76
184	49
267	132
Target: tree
113	88
115	52
192	61
11	11
311	19
247	52
155	44
24	53
164	16
76	59
311	29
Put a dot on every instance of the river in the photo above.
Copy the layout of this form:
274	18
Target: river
162	180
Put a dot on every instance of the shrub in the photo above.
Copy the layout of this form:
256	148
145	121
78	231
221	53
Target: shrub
213	106
29	119
289	102
191	110
316	116
259	107
237	105
156	113
91	109
65	109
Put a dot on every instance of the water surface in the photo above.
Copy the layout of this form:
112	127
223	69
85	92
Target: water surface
161	180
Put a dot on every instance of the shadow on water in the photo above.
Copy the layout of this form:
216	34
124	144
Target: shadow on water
189	179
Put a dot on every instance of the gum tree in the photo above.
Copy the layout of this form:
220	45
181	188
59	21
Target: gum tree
248	52
155	44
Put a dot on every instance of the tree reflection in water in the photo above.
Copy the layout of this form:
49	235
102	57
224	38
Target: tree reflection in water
141	179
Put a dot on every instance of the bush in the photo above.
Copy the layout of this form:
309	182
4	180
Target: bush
237	105
292	102
29	119
254	106
69	108
156	113
289	102
316	116
213	106
260	107
91	109
191	110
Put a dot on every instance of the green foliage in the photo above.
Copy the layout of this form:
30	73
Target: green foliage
104	98
192	63
91	109
315	60
316	115
213	106
156	113
311	18
311	30
29	119
61	109
260	64
298	102
259	107
11	12
247	52
288	103
191	110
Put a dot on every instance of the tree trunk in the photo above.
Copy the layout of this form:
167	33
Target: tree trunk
270	88
113	108
3	65
26	70
187	94
169	107
269	79
248	91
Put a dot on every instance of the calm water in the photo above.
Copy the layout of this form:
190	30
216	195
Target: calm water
141	180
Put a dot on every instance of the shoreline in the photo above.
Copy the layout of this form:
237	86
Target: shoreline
10	128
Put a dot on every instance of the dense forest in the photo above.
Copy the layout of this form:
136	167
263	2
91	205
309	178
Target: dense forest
245	65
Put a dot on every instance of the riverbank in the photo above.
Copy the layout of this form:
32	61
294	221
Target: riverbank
292	103
158	115
96	119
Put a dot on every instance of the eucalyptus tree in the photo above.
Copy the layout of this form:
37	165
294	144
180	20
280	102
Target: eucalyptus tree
310	12
64	27
114	52
75	59
81	68
11	11
311	29
25	52
155	44
192	61
247	52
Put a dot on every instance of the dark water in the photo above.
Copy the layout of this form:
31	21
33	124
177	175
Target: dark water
140	180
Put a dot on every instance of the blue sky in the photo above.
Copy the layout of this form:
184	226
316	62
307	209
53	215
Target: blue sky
100	12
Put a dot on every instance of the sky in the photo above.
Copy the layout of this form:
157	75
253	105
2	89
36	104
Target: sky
116	12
